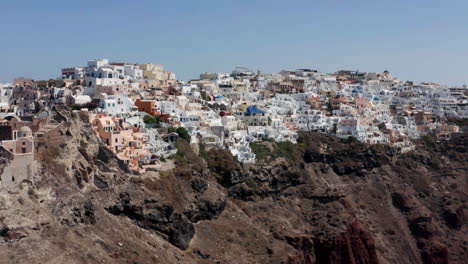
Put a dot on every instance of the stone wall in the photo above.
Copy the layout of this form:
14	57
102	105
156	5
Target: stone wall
5	158
55	136
21	167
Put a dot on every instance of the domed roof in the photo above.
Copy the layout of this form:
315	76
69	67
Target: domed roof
377	98
25	129
356	91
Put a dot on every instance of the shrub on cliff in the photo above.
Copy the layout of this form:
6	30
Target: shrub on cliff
270	149
186	160
181	131
225	167
428	140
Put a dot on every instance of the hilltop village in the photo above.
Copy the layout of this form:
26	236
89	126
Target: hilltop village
139	110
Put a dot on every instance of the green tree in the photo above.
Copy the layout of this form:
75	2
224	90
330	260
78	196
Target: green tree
157	119
181	131
148	119
205	96
152	119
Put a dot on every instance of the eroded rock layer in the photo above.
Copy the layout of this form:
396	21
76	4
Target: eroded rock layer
334	202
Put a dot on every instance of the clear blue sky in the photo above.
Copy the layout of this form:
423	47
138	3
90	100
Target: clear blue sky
414	39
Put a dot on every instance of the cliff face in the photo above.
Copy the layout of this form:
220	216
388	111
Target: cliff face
329	201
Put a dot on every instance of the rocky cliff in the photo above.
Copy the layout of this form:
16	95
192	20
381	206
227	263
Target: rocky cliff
327	201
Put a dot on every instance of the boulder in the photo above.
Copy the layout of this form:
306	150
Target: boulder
454	217
199	185
104	180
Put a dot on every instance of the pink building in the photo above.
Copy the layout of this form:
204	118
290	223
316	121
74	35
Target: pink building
126	141
21	143
21	149
361	102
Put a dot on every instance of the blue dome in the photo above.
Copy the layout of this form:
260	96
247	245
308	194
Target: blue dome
356	91
377	98
252	110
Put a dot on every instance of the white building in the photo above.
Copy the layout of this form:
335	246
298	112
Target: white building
116	105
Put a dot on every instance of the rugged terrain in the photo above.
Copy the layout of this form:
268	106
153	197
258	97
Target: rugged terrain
326	201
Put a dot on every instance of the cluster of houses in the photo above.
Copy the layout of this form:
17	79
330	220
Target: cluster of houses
134	107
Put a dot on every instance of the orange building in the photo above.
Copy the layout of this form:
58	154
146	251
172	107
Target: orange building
147	106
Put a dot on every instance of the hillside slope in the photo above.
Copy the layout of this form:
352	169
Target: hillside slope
326	201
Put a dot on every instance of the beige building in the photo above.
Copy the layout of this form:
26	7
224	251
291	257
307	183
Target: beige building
154	72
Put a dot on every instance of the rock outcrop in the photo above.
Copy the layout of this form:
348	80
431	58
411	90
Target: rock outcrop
329	201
